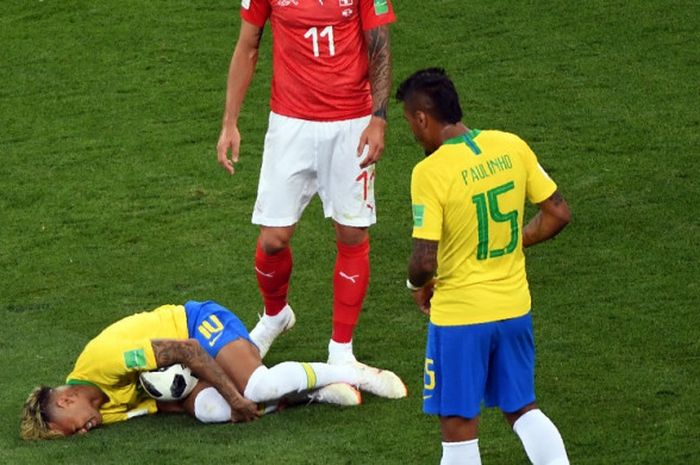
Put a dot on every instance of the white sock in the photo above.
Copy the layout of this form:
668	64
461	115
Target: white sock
541	439
461	453
211	407
339	352
267	384
328	374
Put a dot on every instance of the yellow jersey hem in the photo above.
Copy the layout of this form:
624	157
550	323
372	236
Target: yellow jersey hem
462	320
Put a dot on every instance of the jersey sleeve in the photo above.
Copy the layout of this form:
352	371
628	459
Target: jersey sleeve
107	360
426	204
255	12
122	413
539	185
374	13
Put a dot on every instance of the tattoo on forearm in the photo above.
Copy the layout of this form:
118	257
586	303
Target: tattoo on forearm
192	355
379	68
169	352
423	261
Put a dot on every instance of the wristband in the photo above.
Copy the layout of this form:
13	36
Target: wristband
411	287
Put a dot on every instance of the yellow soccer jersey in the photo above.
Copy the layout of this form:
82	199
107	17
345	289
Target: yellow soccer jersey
469	195
112	360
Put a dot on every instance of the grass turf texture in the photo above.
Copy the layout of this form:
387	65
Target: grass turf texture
112	202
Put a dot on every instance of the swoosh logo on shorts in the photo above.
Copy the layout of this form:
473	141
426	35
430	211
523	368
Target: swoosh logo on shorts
213	340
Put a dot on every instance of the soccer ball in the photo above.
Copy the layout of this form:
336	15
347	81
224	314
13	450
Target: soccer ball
168	383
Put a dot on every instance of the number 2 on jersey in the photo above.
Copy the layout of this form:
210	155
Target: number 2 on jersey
487	206
314	35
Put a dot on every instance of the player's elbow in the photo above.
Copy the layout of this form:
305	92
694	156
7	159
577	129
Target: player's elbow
194	346
252	55
557	219
557	212
244	57
189	352
563	214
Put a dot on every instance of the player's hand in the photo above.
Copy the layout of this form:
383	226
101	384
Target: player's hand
244	410
372	138
229	139
423	295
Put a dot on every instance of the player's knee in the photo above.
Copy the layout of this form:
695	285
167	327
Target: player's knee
351	235
259	388
274	240
266	384
211	407
512	417
458	429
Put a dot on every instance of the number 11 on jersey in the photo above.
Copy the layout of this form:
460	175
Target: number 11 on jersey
314	35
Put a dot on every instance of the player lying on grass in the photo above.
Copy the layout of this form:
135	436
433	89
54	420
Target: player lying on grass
215	345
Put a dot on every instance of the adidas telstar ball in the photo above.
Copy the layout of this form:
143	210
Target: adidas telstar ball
174	382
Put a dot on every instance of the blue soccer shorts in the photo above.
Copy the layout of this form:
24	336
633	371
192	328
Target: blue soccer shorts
213	325
493	362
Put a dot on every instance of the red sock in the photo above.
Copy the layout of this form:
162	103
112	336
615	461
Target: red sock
350	282
273	273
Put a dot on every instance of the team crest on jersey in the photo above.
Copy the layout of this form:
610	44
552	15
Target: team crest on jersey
345	2
287	2
347	12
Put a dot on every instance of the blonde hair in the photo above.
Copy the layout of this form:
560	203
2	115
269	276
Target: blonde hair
34	423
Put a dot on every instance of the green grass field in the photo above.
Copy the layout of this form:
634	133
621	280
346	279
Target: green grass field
112	202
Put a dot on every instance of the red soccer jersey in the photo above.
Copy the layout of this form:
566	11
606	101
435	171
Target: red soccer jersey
319	54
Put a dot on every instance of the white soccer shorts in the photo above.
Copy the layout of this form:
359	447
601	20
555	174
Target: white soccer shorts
302	158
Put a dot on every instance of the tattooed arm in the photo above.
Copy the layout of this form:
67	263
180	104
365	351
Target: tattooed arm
421	270
553	216
377	41
423	264
190	353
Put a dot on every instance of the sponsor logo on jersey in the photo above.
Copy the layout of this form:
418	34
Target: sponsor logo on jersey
345	2
381	7
287	2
